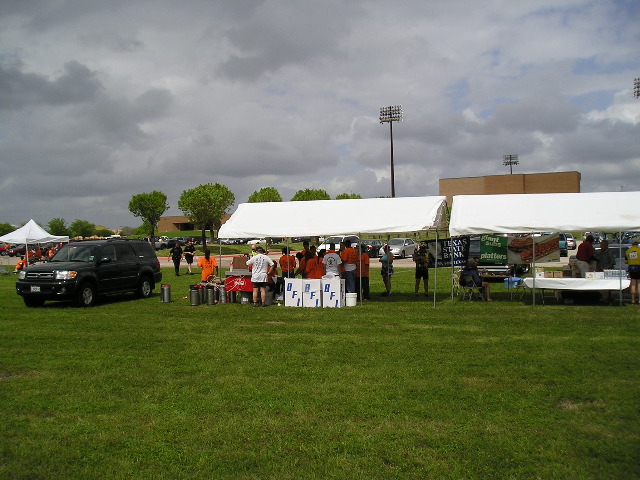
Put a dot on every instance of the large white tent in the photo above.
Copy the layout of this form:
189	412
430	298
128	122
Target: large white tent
31	233
546	212
334	217
549	212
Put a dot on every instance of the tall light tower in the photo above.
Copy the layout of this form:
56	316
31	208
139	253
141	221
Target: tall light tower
510	160
636	87
391	114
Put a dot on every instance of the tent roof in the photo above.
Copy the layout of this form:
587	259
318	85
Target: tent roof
31	232
334	217
554	212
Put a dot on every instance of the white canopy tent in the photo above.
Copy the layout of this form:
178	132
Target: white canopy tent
31	233
546	212
549	212
335	217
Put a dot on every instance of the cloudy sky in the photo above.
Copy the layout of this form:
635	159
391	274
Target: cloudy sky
102	100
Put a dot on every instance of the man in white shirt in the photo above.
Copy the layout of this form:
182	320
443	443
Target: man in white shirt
260	265
332	261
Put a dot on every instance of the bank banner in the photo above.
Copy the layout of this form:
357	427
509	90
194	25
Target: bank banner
456	249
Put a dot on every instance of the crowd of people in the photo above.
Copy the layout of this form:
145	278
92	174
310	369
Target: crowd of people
35	254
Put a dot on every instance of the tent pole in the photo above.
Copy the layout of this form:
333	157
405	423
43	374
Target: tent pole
435	271
533	265
452	267
620	272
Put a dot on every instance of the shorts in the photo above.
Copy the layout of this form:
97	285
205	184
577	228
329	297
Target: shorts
260	284
422	273
189	259
386	271
634	272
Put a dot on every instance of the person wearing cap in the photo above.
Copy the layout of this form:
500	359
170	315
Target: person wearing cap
421	259
632	258
469	277
260	265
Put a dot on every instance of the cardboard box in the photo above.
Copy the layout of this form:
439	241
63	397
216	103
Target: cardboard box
239	263
548	274
333	292
557	274
311	293
293	292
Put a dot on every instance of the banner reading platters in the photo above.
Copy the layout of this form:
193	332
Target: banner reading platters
495	249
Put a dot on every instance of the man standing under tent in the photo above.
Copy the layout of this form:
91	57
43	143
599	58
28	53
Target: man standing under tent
362	274
332	261
349	259
260	265
585	255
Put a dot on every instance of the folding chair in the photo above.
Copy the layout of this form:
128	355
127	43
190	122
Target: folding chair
469	289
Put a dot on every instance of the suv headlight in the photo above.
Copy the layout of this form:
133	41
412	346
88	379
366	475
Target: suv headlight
66	274
21	274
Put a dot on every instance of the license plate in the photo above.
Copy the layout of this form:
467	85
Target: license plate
35	289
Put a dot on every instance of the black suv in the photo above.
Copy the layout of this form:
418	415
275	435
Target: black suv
81	271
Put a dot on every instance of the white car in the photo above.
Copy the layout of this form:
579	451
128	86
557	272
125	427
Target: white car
351	240
257	241
401	247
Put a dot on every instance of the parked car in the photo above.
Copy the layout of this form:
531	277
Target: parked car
562	243
159	242
351	240
17	250
179	240
571	242
372	247
300	239
401	247
257	241
81	271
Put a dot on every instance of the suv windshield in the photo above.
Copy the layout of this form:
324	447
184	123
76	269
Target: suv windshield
76	253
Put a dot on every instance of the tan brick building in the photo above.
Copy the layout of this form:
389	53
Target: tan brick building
179	223
556	182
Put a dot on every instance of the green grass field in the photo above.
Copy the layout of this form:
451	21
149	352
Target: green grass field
395	388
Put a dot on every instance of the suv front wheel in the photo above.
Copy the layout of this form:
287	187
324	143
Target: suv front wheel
86	295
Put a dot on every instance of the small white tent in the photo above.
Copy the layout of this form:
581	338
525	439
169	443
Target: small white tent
31	233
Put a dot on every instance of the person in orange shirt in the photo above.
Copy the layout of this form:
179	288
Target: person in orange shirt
349	259
315	267
362	274
287	263
21	265
208	265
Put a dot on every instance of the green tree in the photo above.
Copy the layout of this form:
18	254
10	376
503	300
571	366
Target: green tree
58	226
346	196
266	194
81	228
149	207
310	194
6	228
103	232
205	205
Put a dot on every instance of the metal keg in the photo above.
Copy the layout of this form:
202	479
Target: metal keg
222	294
194	295
210	294
165	293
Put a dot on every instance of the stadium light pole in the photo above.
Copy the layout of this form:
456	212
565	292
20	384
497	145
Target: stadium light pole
391	114
510	160
636	87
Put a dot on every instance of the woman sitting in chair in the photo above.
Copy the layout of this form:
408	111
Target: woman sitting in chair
469	278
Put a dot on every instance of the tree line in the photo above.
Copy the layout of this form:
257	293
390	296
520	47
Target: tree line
204	206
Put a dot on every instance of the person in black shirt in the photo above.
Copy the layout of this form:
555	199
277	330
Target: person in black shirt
175	254
189	251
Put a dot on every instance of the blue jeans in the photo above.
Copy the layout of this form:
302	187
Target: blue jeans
349	281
